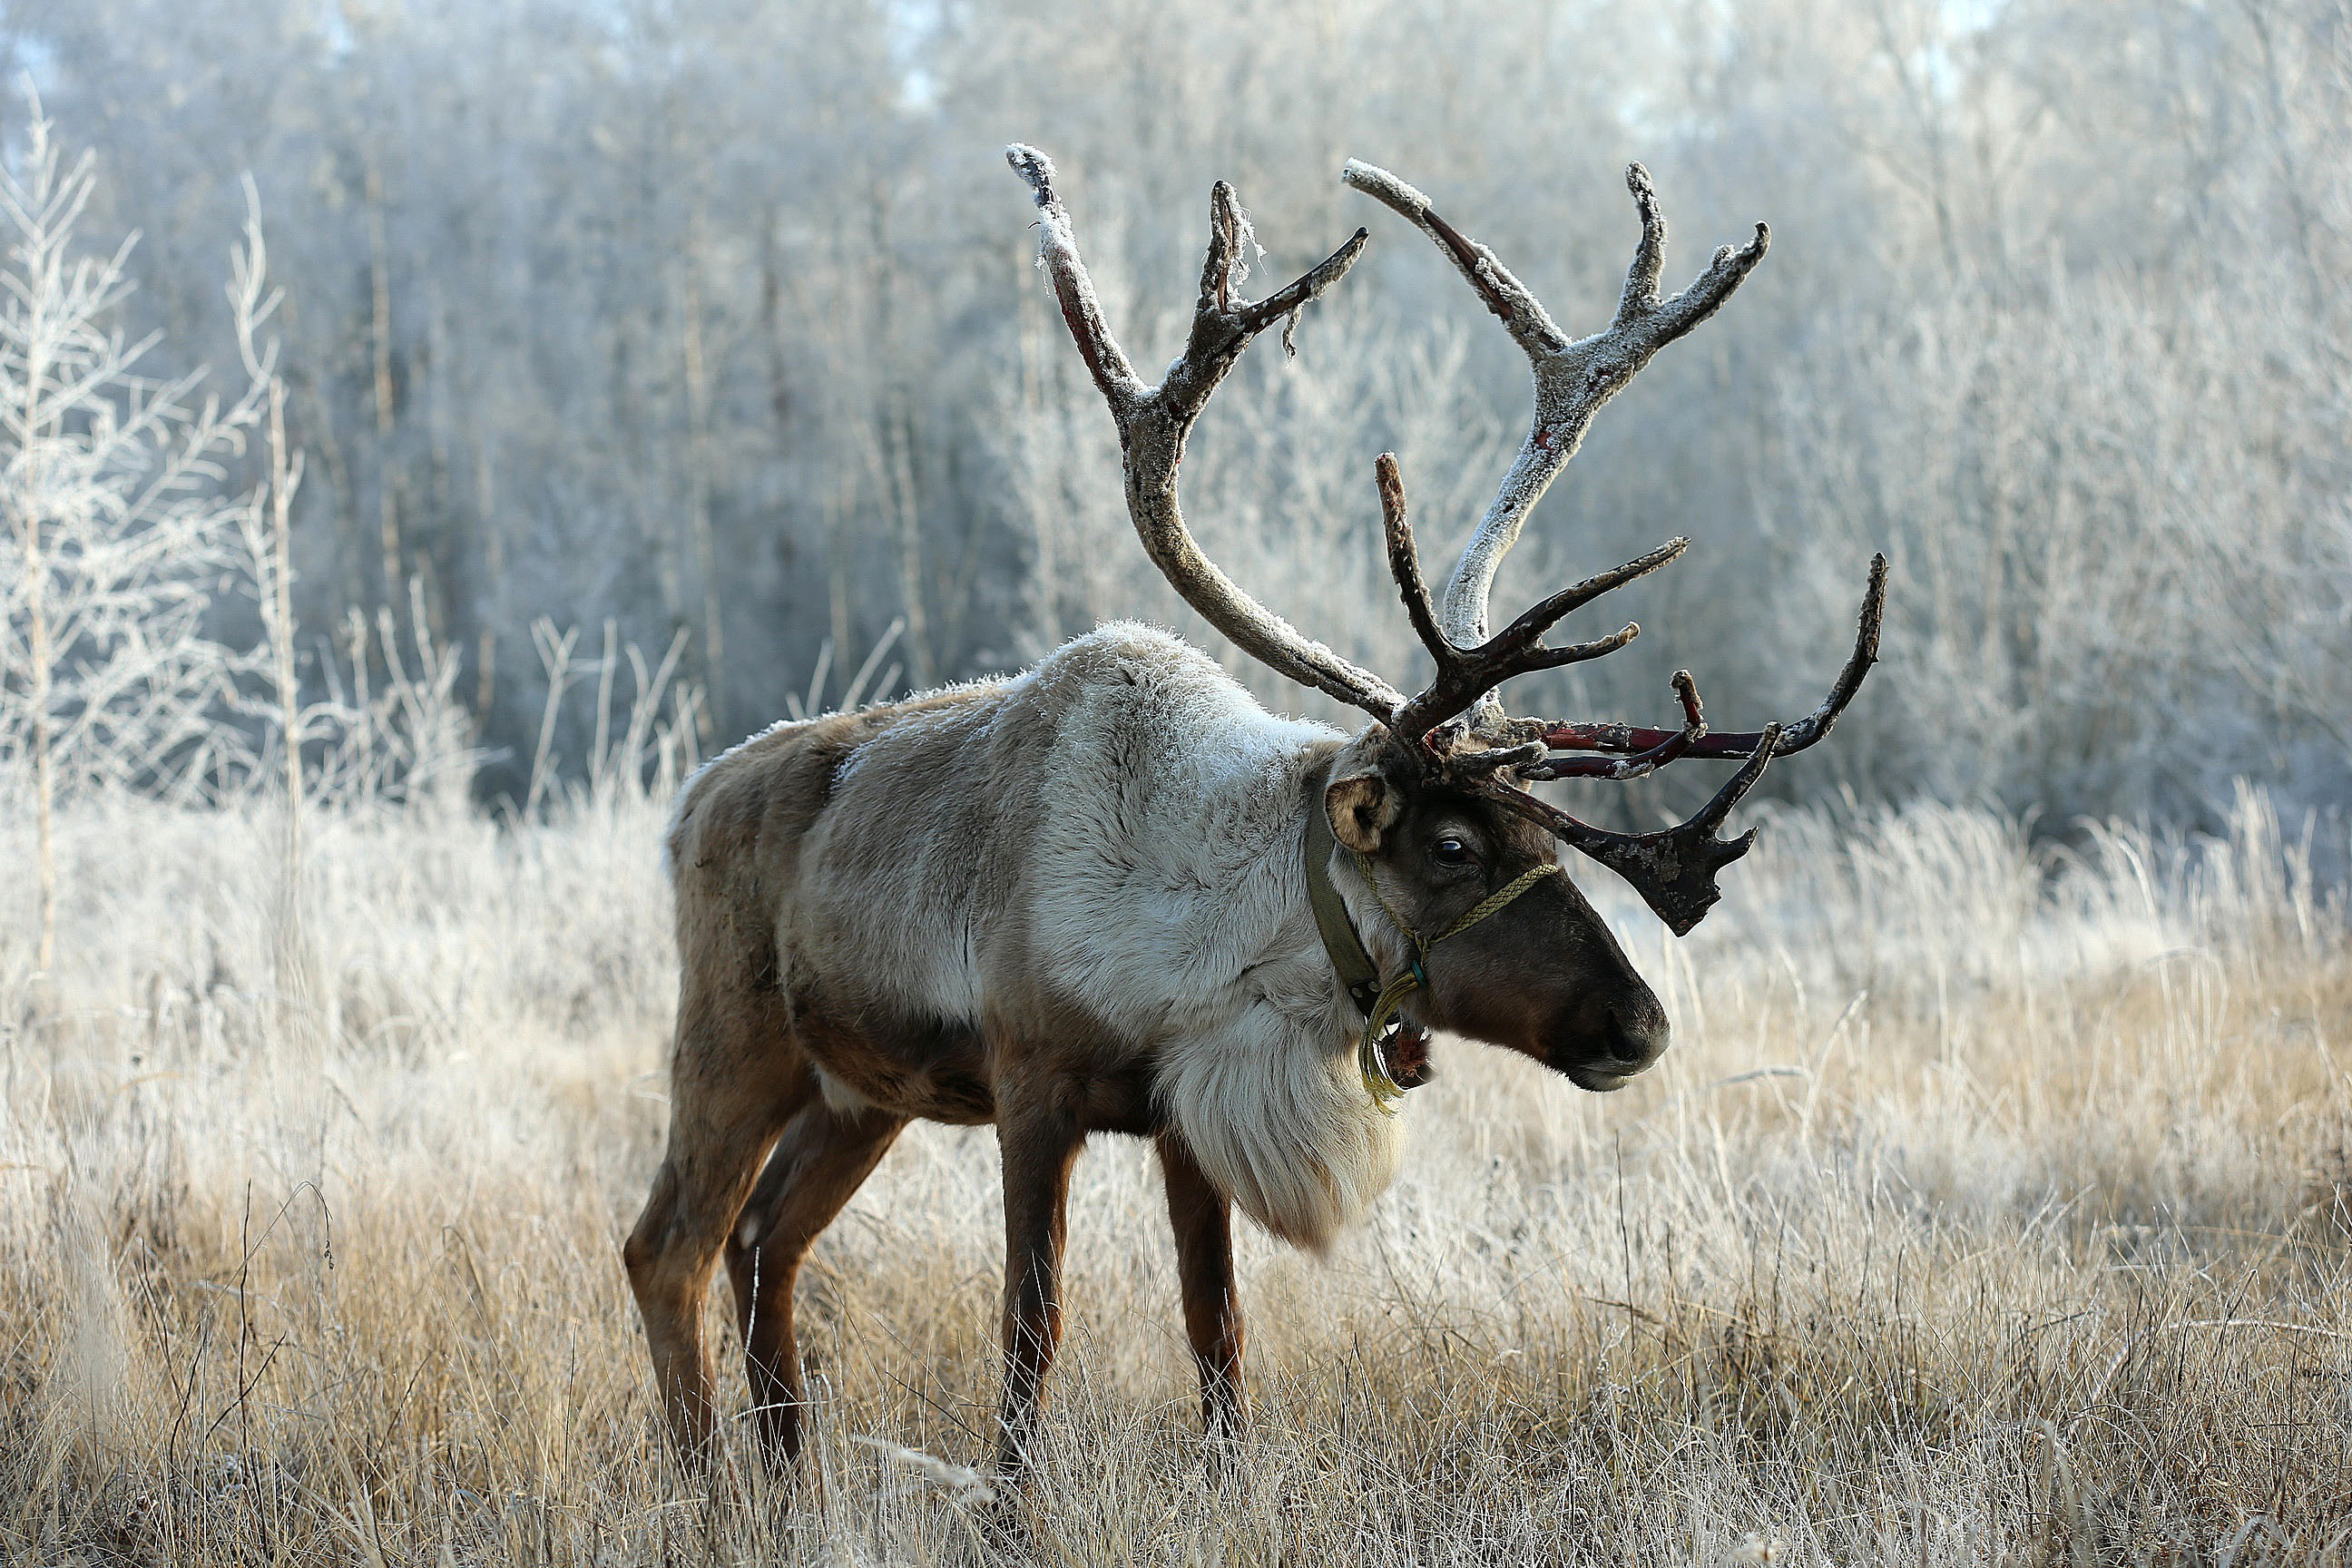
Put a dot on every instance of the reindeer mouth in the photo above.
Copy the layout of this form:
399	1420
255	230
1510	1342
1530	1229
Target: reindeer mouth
1605	1078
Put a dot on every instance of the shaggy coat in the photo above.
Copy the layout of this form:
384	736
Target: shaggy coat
1069	902
1035	848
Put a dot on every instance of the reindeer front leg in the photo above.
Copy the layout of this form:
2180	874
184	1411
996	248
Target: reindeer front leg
1203	1219
1040	1140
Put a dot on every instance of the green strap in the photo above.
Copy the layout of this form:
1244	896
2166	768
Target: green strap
1368	1060
1372	1066
1345	949
1381	1005
1493	903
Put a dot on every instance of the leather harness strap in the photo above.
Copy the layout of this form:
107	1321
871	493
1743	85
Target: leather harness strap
1355	969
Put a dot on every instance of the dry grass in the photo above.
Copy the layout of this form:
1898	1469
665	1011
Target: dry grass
1986	1209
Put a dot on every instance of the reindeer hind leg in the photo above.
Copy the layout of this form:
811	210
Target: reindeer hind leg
738	1078
822	1158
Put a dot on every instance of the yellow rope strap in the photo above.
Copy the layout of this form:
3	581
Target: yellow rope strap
1390	1003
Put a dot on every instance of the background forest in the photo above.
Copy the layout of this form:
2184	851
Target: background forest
718	319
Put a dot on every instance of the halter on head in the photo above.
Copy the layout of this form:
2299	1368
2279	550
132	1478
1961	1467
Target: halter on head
1382	1005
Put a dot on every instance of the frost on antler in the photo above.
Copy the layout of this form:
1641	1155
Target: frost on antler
1572	379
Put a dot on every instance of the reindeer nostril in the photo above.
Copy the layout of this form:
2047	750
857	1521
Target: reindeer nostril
1642	1030
1609	1038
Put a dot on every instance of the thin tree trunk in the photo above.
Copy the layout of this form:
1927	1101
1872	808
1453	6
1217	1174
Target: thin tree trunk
837	564
893	458
898	441
295	974
495	563
37	581
697	478
44	779
380	321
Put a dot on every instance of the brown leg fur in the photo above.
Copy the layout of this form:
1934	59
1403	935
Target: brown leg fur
1040	1134
736	1079
818	1164
1202	1219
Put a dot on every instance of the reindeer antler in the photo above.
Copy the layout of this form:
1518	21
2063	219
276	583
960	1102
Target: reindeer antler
1153	422
1572	380
1673	870
1467	674
1456	724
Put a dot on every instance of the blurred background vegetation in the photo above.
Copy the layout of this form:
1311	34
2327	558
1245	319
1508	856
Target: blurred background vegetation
716	319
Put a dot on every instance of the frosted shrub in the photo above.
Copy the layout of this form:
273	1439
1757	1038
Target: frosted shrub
115	499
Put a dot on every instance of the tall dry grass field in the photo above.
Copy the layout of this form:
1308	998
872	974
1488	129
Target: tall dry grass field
1991	1205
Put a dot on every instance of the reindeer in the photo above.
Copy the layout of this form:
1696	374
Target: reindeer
1113	894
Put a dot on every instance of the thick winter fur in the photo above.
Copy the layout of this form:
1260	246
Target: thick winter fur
1038	856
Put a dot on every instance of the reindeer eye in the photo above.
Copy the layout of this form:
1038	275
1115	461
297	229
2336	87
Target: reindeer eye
1450	852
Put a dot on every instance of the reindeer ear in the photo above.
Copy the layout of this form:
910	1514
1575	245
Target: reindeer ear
1363	807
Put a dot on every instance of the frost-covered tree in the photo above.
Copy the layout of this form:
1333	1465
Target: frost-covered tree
113	486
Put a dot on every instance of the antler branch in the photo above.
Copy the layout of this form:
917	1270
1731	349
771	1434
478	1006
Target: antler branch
1572	380
1464	675
1074	287
1674	870
1154	421
1789	738
1640	764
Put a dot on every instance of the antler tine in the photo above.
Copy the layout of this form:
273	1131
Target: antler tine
1674	870
1074	287
1404	560
1466	674
1789	738
1153	422
1572	380
1523	315
1641	764
1796	737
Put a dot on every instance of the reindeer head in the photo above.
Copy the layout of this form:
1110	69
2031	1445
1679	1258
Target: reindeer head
1543	976
1429	801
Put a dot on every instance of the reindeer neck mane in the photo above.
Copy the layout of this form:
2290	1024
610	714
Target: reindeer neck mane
1272	1101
